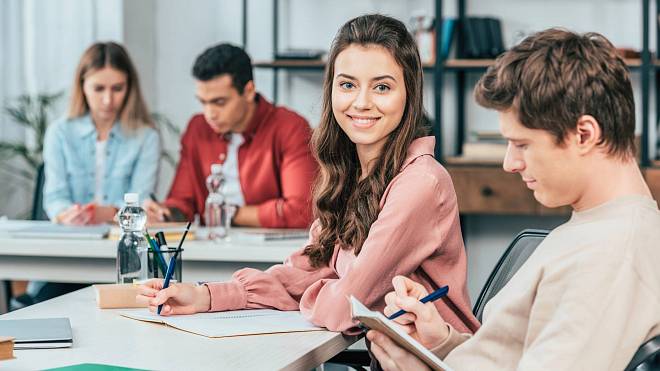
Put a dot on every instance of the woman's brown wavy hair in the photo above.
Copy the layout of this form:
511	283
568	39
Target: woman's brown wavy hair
345	205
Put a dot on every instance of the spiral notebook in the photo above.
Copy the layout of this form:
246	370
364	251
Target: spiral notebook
230	323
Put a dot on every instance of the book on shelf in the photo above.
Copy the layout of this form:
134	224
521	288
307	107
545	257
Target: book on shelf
495	40
423	29
300	54
448	27
484	150
6	348
487	136
481	37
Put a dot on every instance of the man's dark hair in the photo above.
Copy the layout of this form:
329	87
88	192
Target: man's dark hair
555	76
224	59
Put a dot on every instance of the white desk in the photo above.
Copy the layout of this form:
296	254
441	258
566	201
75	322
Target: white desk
102	336
94	260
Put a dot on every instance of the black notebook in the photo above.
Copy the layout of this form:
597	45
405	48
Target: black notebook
38	333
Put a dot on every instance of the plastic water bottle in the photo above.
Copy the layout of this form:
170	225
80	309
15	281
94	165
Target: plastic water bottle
216	210
132	247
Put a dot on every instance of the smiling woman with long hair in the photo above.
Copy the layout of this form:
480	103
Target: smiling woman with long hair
384	205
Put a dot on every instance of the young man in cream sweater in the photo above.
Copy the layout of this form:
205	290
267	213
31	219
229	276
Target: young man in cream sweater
589	296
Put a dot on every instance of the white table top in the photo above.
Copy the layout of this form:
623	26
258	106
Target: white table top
234	250
270	252
74	260
103	336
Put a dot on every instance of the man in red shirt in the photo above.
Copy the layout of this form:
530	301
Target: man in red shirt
268	165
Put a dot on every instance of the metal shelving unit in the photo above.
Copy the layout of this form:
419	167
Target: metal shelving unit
463	67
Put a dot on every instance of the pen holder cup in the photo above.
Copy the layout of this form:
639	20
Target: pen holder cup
158	267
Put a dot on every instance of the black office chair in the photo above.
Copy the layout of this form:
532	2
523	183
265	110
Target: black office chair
38	212
521	248
51	289
523	245
647	356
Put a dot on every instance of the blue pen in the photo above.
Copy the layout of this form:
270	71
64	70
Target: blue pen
172	265
435	295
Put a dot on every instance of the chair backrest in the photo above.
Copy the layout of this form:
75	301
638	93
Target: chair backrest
522	246
38	212
647	357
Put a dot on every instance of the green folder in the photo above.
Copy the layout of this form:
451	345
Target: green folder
94	367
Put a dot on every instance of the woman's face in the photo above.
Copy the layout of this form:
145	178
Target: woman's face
105	90
368	95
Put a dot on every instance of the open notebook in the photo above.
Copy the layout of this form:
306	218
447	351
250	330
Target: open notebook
377	321
231	323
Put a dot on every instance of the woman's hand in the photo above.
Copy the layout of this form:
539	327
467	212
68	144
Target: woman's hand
103	214
178	298
76	215
422	322
156	212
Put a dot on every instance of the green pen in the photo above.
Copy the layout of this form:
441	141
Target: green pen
157	254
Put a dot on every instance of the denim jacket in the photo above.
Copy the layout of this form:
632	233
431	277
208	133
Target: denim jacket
131	165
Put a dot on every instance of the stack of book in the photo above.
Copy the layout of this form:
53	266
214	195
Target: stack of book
6	348
485	146
481	38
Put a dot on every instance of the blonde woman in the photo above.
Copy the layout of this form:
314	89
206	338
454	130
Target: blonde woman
105	147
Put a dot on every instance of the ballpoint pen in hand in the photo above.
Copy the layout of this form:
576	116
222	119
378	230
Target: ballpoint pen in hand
435	295
172	265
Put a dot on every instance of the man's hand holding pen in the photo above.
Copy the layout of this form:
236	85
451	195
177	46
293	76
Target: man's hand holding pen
156	211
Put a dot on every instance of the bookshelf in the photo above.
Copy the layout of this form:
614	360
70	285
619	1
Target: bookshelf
450	64
481	190
481	185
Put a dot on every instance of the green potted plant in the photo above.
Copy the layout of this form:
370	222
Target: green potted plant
31	112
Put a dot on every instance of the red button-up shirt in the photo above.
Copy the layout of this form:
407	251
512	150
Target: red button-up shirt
275	165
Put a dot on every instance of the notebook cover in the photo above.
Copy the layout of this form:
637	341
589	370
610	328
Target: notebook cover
37	330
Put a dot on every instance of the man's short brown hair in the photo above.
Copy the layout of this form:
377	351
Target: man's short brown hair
554	77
